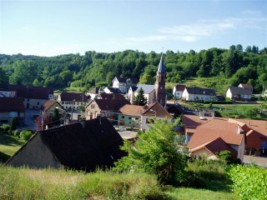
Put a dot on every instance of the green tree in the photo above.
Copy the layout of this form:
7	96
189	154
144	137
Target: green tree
3	77
140	98
25	72
156	152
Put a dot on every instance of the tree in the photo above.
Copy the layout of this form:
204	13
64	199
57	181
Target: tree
156	151
24	72
140	98
3	76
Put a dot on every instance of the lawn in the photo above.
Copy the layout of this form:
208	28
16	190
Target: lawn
9	145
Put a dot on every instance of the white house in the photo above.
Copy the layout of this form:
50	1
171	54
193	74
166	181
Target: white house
149	93
198	94
72	101
178	91
124	83
238	93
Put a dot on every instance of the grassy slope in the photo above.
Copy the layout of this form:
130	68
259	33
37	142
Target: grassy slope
23	183
9	145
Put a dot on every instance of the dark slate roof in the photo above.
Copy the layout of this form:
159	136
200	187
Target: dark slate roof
161	67
124	80
239	91
70	96
200	91
38	93
96	145
180	87
31	92
114	96
111	104
114	90
11	105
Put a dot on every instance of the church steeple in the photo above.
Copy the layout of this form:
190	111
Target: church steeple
160	83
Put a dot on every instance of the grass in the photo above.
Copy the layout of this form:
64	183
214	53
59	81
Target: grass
23	183
199	194
9	145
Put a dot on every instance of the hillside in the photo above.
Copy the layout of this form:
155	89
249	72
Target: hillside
214	68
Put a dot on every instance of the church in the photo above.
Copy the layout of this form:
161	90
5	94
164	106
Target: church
152	93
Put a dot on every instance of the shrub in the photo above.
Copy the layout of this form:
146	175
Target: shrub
16	133
5	128
25	135
156	152
249	182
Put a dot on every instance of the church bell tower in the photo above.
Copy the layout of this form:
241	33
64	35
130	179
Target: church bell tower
160	91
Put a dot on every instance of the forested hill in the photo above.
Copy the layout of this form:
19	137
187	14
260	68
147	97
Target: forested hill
235	65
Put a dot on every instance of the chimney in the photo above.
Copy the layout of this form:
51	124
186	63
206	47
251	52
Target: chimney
239	130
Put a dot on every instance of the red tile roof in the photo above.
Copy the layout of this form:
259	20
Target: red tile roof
48	104
213	129
11	105
215	146
156	109
132	110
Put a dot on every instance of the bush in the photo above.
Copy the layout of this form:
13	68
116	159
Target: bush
156	152
249	182
5	128
25	135
16	133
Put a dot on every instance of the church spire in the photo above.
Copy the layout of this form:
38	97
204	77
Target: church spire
161	67
160	91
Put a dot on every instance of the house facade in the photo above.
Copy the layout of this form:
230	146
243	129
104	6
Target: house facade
107	105
178	91
141	117
123	84
149	93
238	93
72	101
11	108
198	94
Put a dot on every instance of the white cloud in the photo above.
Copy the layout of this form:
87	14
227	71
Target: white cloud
202	29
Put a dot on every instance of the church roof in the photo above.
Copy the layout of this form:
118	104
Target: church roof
161	67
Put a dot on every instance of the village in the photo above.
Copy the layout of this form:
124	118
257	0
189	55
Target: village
68	127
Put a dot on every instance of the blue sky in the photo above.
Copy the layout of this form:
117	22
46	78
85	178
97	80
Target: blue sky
55	27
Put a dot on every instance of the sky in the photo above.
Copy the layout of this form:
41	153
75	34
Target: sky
56	27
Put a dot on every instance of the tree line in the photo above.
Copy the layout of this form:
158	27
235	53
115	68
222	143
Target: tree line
96	69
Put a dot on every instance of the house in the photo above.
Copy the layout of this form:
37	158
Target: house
141	116
112	90
191	122
246	86
178	91
72	101
253	131
198	94
10	108
149	93
33	97
123	84
105	105
238	93
86	146
217	135
93	93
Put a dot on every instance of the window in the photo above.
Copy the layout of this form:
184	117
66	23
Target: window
92	106
130	118
38	103
122	117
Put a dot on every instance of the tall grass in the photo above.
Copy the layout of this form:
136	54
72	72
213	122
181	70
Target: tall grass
51	184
